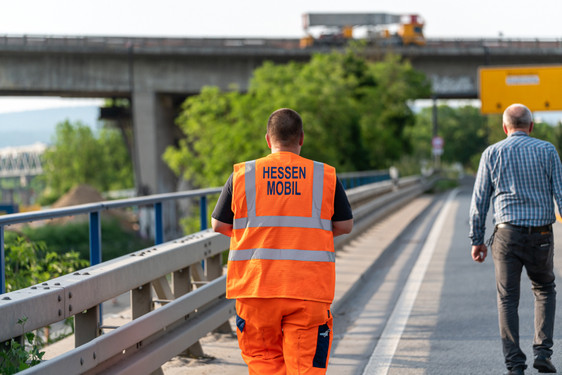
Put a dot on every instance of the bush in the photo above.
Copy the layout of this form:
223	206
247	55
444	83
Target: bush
15	358
61	239
29	263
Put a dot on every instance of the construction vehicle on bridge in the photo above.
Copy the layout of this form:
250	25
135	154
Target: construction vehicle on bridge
380	28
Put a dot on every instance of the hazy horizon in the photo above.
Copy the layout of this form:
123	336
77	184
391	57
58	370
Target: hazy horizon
27	127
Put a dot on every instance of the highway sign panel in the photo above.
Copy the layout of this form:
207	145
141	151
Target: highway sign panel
538	87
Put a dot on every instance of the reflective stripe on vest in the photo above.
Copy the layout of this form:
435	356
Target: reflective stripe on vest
285	254
312	222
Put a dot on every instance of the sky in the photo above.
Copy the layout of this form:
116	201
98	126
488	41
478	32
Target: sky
259	18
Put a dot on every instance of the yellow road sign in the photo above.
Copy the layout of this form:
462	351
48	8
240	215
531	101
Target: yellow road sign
538	87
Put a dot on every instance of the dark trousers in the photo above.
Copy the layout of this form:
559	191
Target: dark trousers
511	251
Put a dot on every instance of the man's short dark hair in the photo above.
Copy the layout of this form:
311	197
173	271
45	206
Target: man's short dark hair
285	126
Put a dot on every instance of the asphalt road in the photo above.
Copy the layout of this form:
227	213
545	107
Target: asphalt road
427	308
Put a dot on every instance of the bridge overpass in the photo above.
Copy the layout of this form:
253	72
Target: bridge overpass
158	73
22	162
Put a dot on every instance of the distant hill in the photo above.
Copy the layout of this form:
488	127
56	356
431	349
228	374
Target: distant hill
26	128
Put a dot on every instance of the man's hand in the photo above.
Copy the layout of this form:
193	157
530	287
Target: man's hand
479	253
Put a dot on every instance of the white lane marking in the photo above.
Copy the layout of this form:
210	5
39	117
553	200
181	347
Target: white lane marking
381	358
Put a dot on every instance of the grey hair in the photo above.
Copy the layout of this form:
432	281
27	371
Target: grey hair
517	116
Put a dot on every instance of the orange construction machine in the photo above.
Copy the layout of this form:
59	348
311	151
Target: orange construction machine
379	28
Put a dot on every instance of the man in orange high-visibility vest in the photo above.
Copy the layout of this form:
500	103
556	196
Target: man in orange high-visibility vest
282	213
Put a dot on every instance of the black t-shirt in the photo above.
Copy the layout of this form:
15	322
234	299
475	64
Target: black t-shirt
223	209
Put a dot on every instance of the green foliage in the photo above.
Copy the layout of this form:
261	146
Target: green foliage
467	133
354	113
192	223
464	130
29	263
15	358
74	237
78	156
546	132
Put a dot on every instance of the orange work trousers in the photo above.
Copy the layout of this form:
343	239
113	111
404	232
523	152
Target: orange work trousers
281	336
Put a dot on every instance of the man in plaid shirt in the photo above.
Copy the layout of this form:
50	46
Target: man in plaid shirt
521	176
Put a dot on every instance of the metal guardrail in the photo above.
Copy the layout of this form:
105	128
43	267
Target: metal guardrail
159	44
80	293
139	347
156	335
372	202
494	42
118	44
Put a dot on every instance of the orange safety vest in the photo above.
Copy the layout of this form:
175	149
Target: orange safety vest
282	244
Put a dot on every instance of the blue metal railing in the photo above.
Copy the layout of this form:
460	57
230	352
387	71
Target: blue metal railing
353	179
94	210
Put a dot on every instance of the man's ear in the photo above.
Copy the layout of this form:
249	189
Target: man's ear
268	140
531	127
301	140
504	129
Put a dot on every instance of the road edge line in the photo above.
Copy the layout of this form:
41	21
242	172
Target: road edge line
381	358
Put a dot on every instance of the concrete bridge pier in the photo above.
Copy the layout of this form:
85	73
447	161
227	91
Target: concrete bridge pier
154	130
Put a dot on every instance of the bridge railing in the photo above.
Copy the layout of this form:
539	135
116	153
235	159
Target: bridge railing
159	44
94	210
156	335
21	161
144	44
494	42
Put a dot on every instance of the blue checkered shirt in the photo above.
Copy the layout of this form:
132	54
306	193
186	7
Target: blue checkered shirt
522	176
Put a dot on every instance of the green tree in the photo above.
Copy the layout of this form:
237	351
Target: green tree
464	130
79	156
117	169
355	113
557	141
386	114
467	133
545	132
494	127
